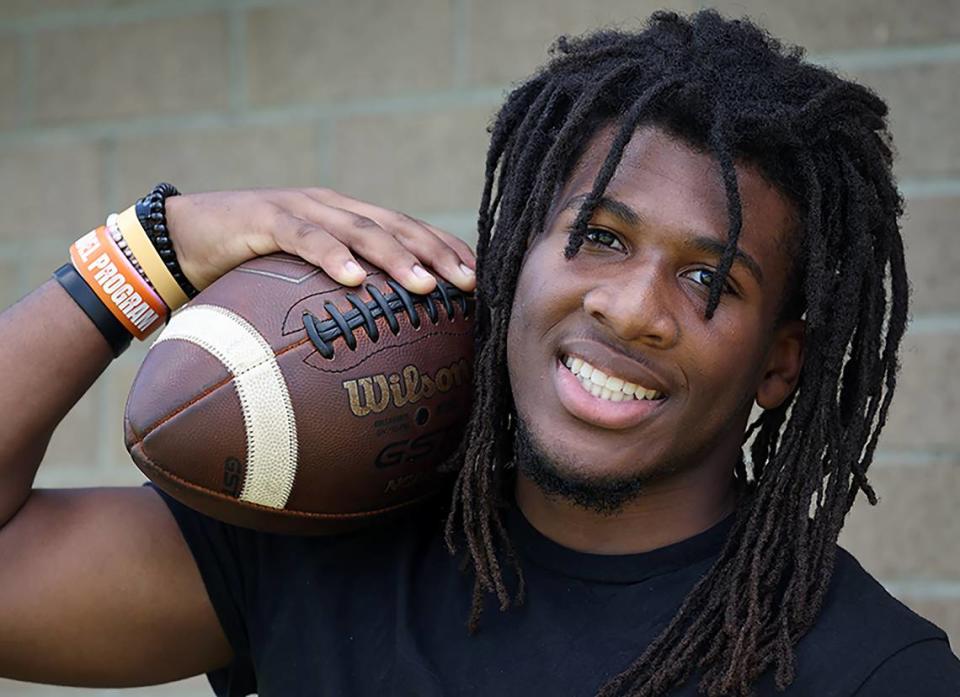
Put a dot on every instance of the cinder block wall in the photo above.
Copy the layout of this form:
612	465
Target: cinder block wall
387	101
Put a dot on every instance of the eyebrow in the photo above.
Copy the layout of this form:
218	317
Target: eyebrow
702	243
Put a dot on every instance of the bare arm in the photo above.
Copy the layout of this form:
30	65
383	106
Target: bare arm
50	355
97	586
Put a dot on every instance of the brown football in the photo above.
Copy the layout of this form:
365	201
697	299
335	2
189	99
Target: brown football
280	400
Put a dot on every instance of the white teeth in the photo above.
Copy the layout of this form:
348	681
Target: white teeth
604	386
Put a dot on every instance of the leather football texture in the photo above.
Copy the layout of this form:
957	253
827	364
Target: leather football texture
278	399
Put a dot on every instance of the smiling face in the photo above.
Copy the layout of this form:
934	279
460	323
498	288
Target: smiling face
624	318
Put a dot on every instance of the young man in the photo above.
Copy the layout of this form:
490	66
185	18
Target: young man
677	225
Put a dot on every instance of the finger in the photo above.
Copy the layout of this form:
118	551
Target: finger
389	254
426	245
311	242
391	220
466	253
365	237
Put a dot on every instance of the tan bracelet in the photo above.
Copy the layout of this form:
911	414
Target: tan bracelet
112	277
153	267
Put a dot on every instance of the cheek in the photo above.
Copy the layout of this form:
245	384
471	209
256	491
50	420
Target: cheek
540	303
725	365
515	357
543	291
518	328
519	316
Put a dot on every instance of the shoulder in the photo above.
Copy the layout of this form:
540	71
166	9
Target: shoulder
256	580
377	542
863	631
859	607
926	667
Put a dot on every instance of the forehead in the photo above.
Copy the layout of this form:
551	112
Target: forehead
675	186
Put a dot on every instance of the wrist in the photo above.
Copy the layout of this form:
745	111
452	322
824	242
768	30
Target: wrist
116	335
123	291
178	210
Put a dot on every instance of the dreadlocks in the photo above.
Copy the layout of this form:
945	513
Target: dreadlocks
729	89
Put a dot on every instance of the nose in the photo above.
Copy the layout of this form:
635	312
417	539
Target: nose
636	308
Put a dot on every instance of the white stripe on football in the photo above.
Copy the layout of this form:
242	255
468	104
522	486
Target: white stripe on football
264	398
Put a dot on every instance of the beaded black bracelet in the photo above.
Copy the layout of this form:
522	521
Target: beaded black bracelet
113	331
151	213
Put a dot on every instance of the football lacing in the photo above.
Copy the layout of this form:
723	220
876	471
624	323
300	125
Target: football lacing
364	314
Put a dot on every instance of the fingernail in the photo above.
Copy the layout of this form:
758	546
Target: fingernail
420	271
353	267
466	270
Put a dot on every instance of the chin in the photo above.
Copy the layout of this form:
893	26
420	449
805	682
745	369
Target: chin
575	480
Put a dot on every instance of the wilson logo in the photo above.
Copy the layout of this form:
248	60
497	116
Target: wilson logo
373	394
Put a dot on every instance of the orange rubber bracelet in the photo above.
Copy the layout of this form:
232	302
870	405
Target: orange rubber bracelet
118	285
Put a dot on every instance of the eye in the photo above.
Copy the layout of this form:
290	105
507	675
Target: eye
604	238
705	278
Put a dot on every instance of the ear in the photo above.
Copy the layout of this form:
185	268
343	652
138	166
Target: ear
784	361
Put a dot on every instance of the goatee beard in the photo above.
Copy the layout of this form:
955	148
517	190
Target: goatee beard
604	496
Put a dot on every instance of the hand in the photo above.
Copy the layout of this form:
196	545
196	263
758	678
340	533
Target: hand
216	231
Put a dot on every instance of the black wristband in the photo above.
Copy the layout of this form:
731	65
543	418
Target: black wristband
113	331
152	214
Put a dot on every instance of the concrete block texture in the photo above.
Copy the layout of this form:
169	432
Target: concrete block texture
9	83
418	162
50	191
930	239
218	158
9	282
194	687
510	39
160	66
333	51
831	26
926	406
32	9
43	259
389	102
913	530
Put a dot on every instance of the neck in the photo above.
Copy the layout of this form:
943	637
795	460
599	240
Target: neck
667	512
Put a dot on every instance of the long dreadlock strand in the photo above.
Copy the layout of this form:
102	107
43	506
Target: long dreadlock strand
719	147
635	112
728	89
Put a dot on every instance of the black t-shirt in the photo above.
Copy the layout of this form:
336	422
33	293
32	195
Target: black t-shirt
384	611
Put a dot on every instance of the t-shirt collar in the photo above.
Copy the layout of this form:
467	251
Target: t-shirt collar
614	568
